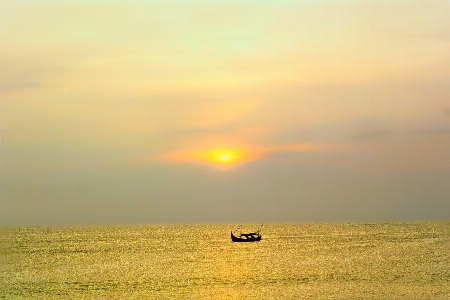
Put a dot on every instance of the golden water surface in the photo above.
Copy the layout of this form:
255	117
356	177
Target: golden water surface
293	261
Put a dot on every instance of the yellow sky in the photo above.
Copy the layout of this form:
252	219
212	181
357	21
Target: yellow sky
113	83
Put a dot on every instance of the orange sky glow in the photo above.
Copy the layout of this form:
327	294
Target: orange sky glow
227	157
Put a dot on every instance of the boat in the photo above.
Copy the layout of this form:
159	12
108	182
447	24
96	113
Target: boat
246	237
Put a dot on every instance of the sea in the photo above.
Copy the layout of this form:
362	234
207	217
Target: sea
292	261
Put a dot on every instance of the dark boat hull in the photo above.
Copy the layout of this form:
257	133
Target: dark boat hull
245	240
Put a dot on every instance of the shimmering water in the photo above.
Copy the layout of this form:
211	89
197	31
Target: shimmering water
293	261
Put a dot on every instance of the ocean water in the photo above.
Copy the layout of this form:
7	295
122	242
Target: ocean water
293	261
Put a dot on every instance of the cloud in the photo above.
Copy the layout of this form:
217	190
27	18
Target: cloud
226	157
16	76
371	134
14	85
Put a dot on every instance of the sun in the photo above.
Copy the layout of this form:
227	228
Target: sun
224	156
221	158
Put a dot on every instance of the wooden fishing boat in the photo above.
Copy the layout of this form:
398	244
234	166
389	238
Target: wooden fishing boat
246	237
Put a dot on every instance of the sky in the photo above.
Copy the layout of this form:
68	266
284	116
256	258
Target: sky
169	112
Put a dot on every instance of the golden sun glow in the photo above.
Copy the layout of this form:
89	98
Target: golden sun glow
222	158
225	158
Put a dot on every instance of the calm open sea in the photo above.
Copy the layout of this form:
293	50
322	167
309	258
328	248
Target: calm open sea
293	261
